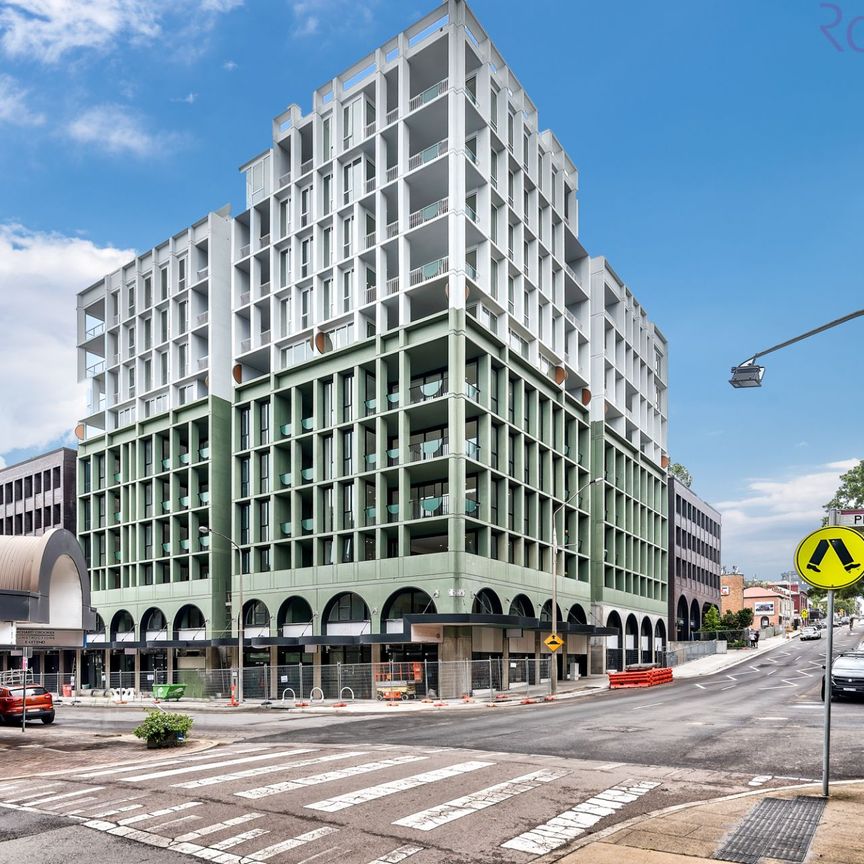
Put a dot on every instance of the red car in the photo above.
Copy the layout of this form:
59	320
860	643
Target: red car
40	704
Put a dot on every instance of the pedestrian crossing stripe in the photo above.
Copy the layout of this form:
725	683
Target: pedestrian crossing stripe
398	855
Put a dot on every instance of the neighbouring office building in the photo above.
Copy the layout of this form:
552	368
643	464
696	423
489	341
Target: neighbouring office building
694	560
381	380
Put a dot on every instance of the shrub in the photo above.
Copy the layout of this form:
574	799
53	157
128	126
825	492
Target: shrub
164	728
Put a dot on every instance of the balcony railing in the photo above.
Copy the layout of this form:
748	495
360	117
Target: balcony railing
391	286
392	229
201	318
265	338
391	174
472	391
370	294
430	270
472	507
95	369
427	213
203	273
369	240
428	95
244	298
470	212
285	179
472	156
472	449
370	185
430	506
428	449
263	240
392	116
245	345
369	129
427	155
95	330
115	359
203	362
471	271
244	250
306	166
571	317
422	391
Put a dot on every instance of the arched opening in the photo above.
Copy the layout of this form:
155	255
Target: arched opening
764	621
405	601
695	619
122	627
98	634
546	613
631	635
65	597
659	638
189	624
705	608
295	617
256	619
346	614
486	602
682	620
614	650
154	625
577	615
646	648
522	607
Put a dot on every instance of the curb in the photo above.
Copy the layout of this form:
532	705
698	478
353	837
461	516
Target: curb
590	839
736	662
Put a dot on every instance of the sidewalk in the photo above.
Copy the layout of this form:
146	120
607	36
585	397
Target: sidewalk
718	662
694	833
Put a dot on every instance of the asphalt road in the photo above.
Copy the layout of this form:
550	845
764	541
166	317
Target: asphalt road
513	784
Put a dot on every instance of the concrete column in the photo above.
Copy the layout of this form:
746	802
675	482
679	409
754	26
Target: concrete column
505	662
376	659
137	670
316	668
169	660
274	672
537	656
106	668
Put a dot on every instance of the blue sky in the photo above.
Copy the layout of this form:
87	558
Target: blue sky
720	154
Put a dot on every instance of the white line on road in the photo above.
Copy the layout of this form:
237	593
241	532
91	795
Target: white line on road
237	839
30	794
649	705
141	817
570	824
76	803
326	777
329	852
35	802
162	763
771	718
784	686
398	855
189	769
193	817
727	688
116	810
433	817
760	779
266	769
219	826
292	843
700	686
361	796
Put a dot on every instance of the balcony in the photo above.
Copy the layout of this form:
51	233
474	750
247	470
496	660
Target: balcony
263	241
285	527
371	406
284	180
393	456
371	461
369	129
307	525
370	294
285	479
166	506
201	319
204	542
371	515
428	95
427	213
392	230
95	330
203	273
391	174
245	250
428	390
428	449
391	286
391	117
472	391
95	369
430	505
307	474
427	155
471	271
470	212
245	345
472	449
370	185
306	166
430	270
369	240
393	399
204	497
472	508
203	362
245	297
204	452
307	424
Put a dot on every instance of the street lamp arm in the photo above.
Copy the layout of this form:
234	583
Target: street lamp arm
836	323
576	494
208	530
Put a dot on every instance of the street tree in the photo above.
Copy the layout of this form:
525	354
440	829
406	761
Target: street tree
712	621
681	474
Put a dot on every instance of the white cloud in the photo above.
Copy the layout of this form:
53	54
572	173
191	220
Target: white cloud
13	104
189	98
116	129
229	65
40	273
762	529
48	30
340	14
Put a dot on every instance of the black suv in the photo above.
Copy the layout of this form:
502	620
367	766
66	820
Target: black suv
847	675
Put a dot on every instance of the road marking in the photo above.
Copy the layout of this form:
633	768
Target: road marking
292	843
30	794
784	686
328	852
162	763
77	803
760	779
650	705
237	839
116	810
727	688
219	826
44	800
770	718
398	855
190	769
700	686
361	796
162	825
129	833
770	672
315	779
571	823
433	817
141	817
266	769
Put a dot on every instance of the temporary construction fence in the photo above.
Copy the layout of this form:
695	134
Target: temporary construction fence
490	679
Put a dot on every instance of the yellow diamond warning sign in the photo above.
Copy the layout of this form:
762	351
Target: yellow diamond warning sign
553	642
831	557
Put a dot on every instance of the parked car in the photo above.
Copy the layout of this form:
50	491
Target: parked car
847	675
810	633
40	704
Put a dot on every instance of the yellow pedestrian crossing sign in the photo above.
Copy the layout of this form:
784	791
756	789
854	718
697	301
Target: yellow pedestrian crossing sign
804	614
831	557
553	642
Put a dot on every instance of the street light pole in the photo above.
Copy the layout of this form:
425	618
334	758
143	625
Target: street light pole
553	673
206	529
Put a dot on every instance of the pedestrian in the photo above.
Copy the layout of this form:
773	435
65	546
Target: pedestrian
755	638
851	622
751	637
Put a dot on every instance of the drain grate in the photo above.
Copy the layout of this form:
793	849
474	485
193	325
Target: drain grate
776	828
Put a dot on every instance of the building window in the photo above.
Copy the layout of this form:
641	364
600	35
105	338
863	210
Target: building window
264	422
244	477
264	473
244	428
244	524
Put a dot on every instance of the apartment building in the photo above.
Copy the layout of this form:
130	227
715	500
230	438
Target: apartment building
696	578
38	494
408	366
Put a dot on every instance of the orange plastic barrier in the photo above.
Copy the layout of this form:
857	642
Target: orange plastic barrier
640	678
